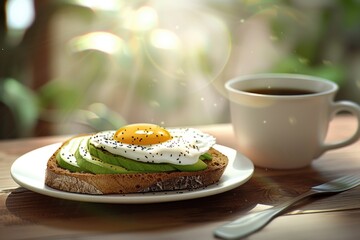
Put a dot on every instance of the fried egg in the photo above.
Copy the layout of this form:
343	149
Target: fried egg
154	144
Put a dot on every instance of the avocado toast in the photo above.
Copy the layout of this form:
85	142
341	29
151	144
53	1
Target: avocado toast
80	166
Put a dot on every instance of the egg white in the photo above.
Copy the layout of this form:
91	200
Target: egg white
185	147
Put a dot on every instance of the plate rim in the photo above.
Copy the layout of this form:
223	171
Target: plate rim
132	198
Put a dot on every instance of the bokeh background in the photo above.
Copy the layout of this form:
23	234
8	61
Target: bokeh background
73	66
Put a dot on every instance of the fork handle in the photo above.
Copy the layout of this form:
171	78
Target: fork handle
254	221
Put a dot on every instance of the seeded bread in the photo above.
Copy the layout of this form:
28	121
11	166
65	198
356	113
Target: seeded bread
88	183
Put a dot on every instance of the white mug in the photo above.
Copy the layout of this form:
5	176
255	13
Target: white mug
285	131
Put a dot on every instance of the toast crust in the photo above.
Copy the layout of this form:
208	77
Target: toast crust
88	183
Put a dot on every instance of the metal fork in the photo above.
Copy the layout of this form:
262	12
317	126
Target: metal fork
252	222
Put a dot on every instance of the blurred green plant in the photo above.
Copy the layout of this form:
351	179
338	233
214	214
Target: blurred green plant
322	36
19	109
318	38
20	106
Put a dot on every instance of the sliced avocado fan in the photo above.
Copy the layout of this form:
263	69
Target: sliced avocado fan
66	156
81	156
142	166
93	164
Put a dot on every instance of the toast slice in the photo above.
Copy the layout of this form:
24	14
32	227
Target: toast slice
89	183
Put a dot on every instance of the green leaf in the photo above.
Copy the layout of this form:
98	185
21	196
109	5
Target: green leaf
22	103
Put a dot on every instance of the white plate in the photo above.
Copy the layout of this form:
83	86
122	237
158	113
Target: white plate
29	172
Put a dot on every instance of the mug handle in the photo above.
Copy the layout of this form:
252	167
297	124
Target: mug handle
352	108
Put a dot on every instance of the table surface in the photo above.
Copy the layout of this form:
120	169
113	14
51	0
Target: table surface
28	215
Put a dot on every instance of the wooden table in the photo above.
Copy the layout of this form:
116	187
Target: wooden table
28	215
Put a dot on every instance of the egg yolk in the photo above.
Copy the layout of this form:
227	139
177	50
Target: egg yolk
142	134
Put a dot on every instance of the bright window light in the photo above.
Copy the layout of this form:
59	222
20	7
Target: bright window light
20	14
101	41
164	39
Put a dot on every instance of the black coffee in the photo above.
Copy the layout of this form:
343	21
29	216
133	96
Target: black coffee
280	91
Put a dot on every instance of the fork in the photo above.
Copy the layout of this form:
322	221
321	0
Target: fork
253	222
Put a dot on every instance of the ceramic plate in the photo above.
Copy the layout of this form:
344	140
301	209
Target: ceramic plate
29	172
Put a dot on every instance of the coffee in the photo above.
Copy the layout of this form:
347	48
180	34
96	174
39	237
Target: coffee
280	91
287	129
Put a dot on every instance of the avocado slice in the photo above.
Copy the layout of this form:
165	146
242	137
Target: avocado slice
129	163
198	166
78	155
93	164
66	156
142	166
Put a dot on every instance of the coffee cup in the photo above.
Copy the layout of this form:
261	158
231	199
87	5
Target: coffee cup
281	120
